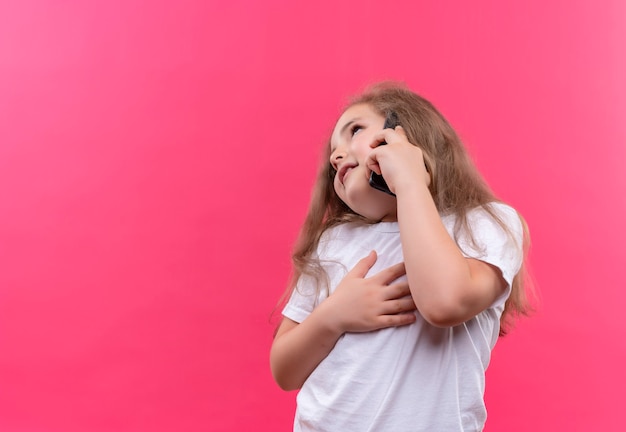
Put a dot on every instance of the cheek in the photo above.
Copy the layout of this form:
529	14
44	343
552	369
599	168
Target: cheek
364	151
336	185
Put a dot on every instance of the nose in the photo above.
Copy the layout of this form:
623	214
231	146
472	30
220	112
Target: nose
336	157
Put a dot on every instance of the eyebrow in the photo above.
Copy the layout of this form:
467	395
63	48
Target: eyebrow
347	125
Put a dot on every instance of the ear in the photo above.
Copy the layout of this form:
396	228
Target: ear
429	169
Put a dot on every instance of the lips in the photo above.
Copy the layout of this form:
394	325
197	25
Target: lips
343	171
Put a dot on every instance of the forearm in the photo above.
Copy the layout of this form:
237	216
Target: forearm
299	348
439	276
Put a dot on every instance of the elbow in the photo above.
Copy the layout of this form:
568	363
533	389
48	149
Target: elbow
285	383
457	300
445	314
442	320
282	376
287	386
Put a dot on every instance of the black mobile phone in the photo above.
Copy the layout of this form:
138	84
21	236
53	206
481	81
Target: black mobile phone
376	180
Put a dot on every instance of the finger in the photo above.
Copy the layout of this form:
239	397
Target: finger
396	320
363	266
400	130
371	163
379	139
390	274
388	136
396	291
399	306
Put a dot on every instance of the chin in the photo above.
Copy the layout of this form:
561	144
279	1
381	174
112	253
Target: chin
373	205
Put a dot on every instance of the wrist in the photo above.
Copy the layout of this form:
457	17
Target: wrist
329	321
412	186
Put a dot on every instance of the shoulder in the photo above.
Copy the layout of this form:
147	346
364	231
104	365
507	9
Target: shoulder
334	238
494	218
331	235
344	232
493	233
507	214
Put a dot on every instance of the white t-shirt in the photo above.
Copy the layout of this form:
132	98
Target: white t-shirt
411	378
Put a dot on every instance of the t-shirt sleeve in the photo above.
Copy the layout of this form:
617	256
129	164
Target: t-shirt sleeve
303	299
494	245
307	293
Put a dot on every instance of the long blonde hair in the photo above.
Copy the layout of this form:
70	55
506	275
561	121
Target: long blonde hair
456	187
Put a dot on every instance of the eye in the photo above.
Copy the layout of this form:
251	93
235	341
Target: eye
354	129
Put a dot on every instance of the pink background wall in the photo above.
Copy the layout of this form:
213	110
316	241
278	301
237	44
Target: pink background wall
155	165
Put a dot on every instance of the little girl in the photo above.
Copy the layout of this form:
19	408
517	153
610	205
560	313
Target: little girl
397	298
